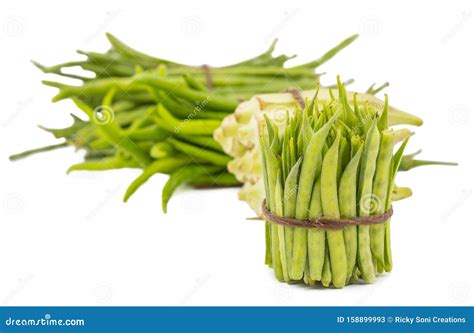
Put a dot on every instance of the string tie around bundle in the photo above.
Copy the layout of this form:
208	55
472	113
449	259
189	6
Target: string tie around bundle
325	223
207	74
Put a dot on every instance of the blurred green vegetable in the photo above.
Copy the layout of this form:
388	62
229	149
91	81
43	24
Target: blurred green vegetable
159	115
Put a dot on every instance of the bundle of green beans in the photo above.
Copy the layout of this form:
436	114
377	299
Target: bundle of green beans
334	160
159	115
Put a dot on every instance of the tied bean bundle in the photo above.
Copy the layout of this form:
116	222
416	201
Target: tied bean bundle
334	160
159	115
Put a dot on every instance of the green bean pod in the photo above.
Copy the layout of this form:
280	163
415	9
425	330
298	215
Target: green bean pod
112	132
165	165
275	247
103	164
271	167
379	195
182	176
316	237
310	169
268	238
394	166
152	132
200	154
197	97
289	208
218	179
330	205
348	209
367	172
161	150
326	277
186	126
281	253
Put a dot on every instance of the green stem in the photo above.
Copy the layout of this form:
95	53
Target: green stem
165	165
108	163
331	53
208	100
30	152
186	127
200	154
223	179
181	176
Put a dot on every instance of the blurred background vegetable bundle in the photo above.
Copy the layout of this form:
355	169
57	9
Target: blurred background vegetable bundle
159	115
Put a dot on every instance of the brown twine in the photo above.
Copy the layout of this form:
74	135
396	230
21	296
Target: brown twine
323	222
207	74
296	93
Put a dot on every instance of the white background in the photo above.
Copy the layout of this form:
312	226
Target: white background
69	240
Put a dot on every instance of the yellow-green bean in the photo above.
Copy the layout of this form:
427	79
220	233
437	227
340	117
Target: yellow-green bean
327	275
394	166
200	154
289	208
281	253
379	194
165	165
367	171
310	169
348	209
330	205
316	237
